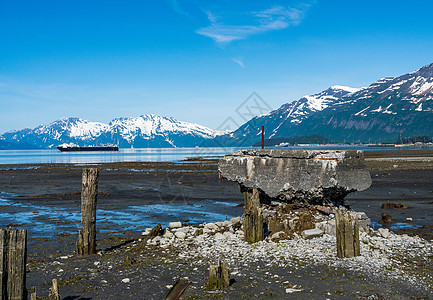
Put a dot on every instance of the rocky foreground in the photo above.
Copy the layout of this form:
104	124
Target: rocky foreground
301	265
384	254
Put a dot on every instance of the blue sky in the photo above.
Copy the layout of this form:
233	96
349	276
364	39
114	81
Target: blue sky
195	60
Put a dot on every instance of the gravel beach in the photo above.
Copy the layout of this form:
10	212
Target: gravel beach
136	196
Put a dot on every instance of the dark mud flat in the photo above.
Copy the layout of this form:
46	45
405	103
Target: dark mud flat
126	189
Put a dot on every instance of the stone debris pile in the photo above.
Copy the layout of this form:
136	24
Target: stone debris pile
383	253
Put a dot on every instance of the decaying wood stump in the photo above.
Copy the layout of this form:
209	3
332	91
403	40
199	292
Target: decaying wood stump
54	291
86	243
253	221
13	257
347	228
219	276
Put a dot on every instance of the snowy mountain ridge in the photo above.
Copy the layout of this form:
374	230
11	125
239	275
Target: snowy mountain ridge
381	111
146	130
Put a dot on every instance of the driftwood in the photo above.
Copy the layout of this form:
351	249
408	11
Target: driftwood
177	290
253	221
13	256
54	291
219	276
347	230
86	243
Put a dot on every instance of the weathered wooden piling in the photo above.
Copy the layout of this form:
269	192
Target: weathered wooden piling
86	243
347	229
253	221
219	276
54	291
13	257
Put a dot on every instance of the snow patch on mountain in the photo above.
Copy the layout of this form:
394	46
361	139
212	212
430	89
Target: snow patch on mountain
345	88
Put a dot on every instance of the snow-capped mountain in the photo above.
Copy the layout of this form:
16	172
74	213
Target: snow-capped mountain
380	112
143	131
289	114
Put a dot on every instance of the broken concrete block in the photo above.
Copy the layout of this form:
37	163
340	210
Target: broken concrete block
363	219
307	175
312	233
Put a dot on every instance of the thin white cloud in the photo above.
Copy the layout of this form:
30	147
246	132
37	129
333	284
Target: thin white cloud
275	18
239	61
176	7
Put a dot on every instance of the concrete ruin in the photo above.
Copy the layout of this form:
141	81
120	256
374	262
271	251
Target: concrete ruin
313	176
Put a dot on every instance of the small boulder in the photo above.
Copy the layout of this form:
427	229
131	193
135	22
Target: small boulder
219	236
173	225
384	232
276	235
211	226
168	234
180	235
312	233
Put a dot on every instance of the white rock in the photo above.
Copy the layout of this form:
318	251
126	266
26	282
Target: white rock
126	280
147	231
180	235
200	239
409	219
219	236
211	226
228	235
168	234
183	229
312	233
276	235
292	290
384	232
172	225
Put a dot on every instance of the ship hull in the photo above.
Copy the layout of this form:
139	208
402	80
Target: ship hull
79	149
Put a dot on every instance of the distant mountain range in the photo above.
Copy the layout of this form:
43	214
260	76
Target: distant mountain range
140	132
377	113
381	112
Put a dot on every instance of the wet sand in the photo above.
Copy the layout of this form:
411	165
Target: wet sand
189	186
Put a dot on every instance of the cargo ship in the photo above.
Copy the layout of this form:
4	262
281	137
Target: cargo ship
73	148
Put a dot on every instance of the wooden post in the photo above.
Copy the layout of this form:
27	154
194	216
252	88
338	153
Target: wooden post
253	220
219	276
86	243
13	257
263	137
54	291
347	234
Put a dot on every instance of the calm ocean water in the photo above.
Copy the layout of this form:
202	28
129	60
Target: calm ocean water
123	155
137	155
